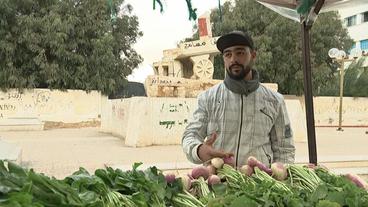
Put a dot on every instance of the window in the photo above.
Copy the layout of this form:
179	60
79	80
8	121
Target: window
364	44
351	21
365	17
352	47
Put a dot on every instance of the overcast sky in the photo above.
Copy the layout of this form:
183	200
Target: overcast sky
162	30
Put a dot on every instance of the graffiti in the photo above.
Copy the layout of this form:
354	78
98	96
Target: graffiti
14	95
157	81
170	124
7	107
181	107
193	44
42	97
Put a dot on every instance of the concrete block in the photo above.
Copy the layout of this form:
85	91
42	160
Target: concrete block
21	124
10	152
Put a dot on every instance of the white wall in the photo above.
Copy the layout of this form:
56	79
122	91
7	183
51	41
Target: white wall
145	121
50	105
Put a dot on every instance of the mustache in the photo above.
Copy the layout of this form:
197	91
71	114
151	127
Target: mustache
235	64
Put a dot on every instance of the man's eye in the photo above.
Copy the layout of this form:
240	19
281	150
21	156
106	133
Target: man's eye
240	53
228	54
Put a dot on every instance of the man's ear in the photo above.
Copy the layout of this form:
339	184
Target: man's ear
253	54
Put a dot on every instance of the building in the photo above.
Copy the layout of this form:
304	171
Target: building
356	21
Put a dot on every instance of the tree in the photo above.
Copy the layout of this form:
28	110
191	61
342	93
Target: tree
356	79
71	44
279	46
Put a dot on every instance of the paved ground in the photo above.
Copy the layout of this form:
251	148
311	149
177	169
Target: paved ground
60	152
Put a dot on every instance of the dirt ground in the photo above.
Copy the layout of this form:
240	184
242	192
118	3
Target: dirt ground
60	152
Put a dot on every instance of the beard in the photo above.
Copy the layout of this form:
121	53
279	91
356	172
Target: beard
241	74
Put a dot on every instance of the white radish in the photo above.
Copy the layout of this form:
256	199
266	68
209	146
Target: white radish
279	171
187	182
217	162
246	170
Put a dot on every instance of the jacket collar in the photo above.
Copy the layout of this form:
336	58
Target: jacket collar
243	87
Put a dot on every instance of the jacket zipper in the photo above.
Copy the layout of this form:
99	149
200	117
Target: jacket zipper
241	123
268	156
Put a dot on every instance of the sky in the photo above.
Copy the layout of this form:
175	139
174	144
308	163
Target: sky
162	31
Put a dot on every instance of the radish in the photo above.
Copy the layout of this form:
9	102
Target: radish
279	171
246	170
217	162
170	178
311	166
229	160
357	180
213	179
187	182
211	169
200	171
252	161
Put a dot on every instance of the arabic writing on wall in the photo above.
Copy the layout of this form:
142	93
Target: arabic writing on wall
175	110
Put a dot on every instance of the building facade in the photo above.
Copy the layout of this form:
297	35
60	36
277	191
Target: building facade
356	21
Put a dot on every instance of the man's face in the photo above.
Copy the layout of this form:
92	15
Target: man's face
238	61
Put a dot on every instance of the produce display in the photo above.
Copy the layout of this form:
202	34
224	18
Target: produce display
218	184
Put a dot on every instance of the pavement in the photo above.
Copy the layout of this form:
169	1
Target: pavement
60	152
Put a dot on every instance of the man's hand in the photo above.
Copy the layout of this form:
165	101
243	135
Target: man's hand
207	152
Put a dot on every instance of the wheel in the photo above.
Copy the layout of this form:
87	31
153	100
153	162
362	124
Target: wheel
203	69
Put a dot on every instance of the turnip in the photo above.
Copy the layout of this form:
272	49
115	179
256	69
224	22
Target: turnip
357	180
246	170
187	182
229	160
211	169
213	179
217	162
170	178
279	171
200	171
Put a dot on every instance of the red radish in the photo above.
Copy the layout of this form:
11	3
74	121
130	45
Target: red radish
217	162
252	161
246	170
213	179
357	180
211	169
170	178
279	171
190	176
311	166
187	182
200	171
229	160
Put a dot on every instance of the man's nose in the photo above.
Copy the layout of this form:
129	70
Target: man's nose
233	59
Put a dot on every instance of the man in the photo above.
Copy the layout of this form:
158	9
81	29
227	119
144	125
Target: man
239	117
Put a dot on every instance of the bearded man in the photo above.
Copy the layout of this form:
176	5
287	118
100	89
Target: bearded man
239	117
